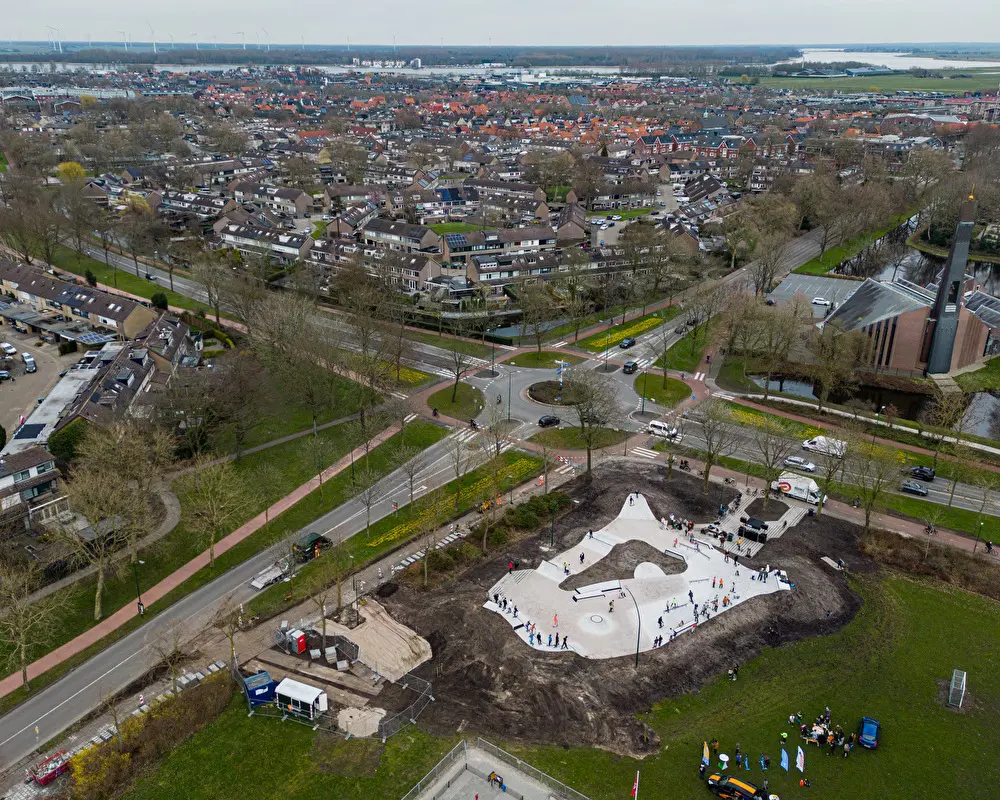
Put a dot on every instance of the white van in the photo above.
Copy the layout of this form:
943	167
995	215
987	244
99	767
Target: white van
664	430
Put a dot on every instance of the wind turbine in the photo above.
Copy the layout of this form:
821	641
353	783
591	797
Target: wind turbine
267	39
241	33
173	42
152	36
56	41
257	34
195	37
125	39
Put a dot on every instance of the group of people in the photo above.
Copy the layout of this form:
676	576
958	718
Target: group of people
676	523
822	732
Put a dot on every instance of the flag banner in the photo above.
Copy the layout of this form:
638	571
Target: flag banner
784	759
800	760
704	755
635	786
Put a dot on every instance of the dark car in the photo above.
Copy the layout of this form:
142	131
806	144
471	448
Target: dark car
682	329
630	366
756	524
548	421
922	473
4	375
730	787
912	487
627	342
868	732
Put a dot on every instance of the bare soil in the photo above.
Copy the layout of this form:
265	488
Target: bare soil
620	563
485	678
775	509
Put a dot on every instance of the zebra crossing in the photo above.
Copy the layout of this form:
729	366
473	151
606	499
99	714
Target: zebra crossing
560	344
409	418
565	469
473	365
467	436
644	452
699	376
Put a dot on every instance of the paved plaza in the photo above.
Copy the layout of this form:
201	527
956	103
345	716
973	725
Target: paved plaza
607	619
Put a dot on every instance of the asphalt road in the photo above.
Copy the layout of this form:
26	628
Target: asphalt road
79	692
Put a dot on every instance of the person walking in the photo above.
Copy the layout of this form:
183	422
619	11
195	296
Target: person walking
515	611
565	644
611	607
555	620
550	640
591	534
557	640
581	558
660	621
691	595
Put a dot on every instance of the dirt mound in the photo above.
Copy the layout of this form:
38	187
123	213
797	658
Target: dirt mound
620	563
488	681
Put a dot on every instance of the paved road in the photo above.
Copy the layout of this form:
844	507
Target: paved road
72	697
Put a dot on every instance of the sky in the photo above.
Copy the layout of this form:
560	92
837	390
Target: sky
514	22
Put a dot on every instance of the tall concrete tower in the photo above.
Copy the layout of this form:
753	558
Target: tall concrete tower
949	296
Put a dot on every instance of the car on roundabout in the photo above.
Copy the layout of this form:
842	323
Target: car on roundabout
548	421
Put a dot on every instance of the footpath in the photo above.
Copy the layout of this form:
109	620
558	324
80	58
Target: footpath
123	615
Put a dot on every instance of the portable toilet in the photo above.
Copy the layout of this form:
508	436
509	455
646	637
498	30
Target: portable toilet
297	640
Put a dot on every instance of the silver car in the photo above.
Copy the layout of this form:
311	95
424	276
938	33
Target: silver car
796	462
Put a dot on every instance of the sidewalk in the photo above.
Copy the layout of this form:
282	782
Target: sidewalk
175	579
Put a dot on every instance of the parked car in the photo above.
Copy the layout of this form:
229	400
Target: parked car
626	343
681	329
912	487
548	421
730	787
630	366
922	473
604	226
799	463
9	349
868	732
820	301
616	217
4	375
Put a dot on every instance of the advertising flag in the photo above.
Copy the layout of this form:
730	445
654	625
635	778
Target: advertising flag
704	755
800	760
784	759
635	786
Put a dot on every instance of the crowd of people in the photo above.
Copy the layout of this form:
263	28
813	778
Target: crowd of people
822	732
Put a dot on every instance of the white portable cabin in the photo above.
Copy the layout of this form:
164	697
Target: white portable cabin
300	699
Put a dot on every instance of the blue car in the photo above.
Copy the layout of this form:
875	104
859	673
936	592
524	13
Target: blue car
868	732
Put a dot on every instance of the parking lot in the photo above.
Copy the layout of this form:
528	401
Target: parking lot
20	395
836	290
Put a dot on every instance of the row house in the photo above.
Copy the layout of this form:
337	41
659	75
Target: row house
492	188
613	197
459	248
278	247
515	209
394	235
351	220
223	171
28	479
498	271
346	194
279	200
56	302
202	206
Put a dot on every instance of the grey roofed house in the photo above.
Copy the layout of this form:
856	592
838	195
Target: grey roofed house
874	302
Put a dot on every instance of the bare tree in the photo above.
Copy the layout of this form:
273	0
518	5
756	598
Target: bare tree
168	647
771	446
209	273
719	431
217	500
595	401
369	493
460	456
833	461
499	429
25	624
875	470
414	462
228	621
537	309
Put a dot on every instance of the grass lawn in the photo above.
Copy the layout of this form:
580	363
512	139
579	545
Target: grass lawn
669	396
731	378
557	194
835	256
542	360
290	465
955	83
78	264
441	228
568	437
628	213
634	328
3	161
474	349
319	229
888	663
467	404
688	353
981	379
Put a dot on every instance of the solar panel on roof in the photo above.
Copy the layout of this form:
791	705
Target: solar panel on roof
27	431
456	239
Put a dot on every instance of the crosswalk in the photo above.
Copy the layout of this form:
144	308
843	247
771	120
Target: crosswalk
409	418
565	469
560	344
642	451
468	436
699	376
463	434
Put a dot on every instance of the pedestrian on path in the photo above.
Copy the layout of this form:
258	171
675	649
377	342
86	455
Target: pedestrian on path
660	621
581	558
565	644
555	620
380	574
550	640
591	534
691	595
557	640
611	607
515	611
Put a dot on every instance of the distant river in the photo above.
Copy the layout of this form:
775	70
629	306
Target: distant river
901	61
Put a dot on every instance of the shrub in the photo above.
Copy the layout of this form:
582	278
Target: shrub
90	277
67	347
63	443
159	300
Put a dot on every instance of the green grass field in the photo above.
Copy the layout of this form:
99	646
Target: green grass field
78	264
567	437
633	327
957	84
441	228
835	256
319	229
290	465
652	387
981	380
542	360
467	404
3	161
474	349
889	662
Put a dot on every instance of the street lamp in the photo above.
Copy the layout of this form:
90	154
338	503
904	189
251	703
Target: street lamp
638	635
875	428
607	346
642	410
138	593
510	382
979	535
552	534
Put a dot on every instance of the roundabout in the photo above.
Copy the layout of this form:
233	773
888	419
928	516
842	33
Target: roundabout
551	394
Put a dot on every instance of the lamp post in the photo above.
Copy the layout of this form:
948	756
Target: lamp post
138	593
875	429
552	533
607	346
979	535
638	634
645	375
510	383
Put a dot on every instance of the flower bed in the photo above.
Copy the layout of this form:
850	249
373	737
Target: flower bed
599	341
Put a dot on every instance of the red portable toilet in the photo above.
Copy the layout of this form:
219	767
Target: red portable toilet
297	639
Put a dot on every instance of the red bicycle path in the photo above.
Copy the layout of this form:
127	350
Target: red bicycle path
111	623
